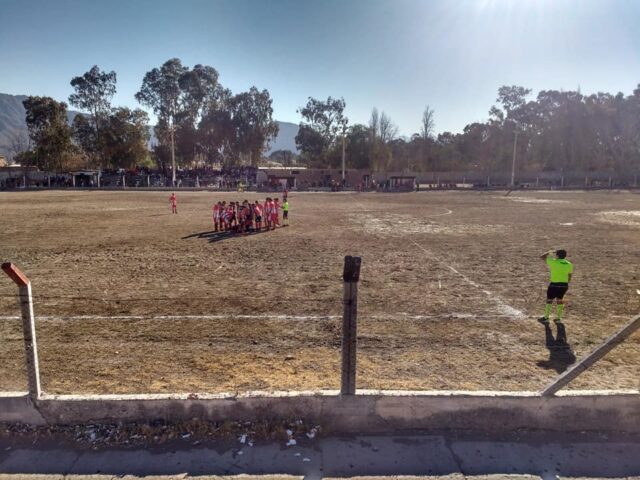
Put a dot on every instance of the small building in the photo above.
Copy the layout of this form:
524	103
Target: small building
300	178
402	183
85	178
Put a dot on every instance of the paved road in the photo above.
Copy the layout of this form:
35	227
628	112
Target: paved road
417	455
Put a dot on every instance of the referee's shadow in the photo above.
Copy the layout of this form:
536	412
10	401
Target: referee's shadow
560	353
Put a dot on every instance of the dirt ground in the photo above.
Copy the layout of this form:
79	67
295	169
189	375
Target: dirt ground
451	284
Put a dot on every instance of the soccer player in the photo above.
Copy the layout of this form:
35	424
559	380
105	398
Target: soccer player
266	212
561	270
223	216
276	213
257	211
216	216
174	203
285	213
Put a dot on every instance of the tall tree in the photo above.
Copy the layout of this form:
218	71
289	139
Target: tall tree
428	123
161	91
93	93
324	125
125	138
381	132
51	135
253	122
358	147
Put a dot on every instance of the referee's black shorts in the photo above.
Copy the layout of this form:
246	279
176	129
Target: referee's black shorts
557	291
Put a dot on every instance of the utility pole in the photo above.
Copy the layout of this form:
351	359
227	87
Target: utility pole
343	155
513	164
173	156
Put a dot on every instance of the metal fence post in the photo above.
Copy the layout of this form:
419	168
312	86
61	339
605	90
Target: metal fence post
28	327
351	276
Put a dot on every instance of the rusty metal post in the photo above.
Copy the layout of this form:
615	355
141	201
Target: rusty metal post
351	276
28	328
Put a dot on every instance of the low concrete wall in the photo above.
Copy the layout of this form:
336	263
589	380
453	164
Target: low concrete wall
366	412
17	407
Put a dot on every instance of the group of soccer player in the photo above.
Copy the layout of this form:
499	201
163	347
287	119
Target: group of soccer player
248	217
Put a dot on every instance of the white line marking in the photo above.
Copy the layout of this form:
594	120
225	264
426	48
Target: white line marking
400	316
177	317
448	212
505	308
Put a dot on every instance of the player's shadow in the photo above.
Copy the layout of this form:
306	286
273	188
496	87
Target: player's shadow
560	353
213	236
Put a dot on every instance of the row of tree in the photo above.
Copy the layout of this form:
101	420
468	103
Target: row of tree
199	121
555	131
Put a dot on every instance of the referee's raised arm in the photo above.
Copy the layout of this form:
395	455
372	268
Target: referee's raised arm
544	256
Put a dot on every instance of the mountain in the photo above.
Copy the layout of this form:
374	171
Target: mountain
286	138
12	123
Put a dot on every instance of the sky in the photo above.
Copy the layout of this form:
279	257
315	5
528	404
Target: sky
396	55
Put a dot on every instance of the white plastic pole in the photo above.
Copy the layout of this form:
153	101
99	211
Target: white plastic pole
28	328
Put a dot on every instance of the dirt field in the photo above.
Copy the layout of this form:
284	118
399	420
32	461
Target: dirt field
451	286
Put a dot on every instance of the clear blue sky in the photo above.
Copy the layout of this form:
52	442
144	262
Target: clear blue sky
396	55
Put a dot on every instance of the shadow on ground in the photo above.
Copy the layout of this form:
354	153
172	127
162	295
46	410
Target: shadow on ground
560	353
217	236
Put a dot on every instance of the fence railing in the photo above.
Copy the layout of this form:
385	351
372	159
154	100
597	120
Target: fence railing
351	277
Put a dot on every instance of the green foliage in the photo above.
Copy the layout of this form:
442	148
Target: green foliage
358	147
324	123
253	124
209	123
93	93
126	134
238	127
51	135
161	90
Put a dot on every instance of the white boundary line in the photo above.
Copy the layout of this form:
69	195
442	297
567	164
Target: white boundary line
364	317
504	307
401	316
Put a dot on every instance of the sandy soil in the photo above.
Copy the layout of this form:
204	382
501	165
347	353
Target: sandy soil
451	286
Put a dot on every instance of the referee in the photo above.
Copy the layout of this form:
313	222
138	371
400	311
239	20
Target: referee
561	270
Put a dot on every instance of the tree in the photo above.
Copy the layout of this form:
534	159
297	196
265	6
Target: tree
87	136
513	99
324	123
19	142
428	123
199	90
381	132
51	135
217	131
161	91
358	147
388	130
126	134
252	117
93	93
237	126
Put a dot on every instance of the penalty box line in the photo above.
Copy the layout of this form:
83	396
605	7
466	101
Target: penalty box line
506	309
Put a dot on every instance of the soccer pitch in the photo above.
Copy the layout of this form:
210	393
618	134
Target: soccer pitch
132	299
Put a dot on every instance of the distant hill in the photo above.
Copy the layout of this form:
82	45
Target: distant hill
12	122
286	139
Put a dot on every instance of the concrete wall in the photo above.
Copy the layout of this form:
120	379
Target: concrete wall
366	412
